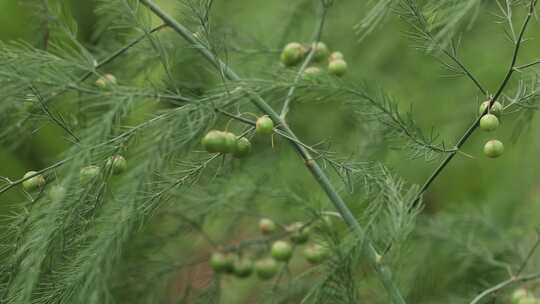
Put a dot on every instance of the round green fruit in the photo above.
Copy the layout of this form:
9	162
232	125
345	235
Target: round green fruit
35	182
221	262
117	164
493	148
292	54
89	173
230	142
266	268
518	295
321	52
489	122
496	109
106	80
57	193
281	251
299	233
315	254
337	67
264	125
267	226
336	56
214	141
312	72
243	147
243	267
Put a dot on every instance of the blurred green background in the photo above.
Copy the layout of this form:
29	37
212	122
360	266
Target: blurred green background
507	189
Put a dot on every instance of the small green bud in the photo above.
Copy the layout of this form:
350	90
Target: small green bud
281	251
106	81
312	72
230	142
489	122
493	148
221	262
266	268
243	267
117	164
264	125
57	193
321	52
33	183
243	147
299	233
267	226
337	67
214	141
292	54
89	173
315	253
496	109
336	56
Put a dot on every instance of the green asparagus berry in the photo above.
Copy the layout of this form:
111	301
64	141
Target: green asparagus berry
281	251
243	267
221	262
57	193
35	182
89	173
321	52
496	108
117	164
230	142
493	148
106	80
243	147
489	122
264	125
312	72
266	268
315	253
336	56
292	54
214	141
337	67
267	226
518	295
299	233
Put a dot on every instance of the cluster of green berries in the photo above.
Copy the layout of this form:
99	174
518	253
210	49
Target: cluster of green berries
490	122
227	142
37	181
522	296
281	251
293	53
105	81
117	164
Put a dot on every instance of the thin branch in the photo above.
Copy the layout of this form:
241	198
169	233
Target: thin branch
317	172
474	125
317	37
521	67
505	284
11	184
106	61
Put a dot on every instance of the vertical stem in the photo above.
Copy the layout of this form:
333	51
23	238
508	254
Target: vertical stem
373	257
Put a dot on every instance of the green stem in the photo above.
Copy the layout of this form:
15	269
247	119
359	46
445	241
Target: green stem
373	257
